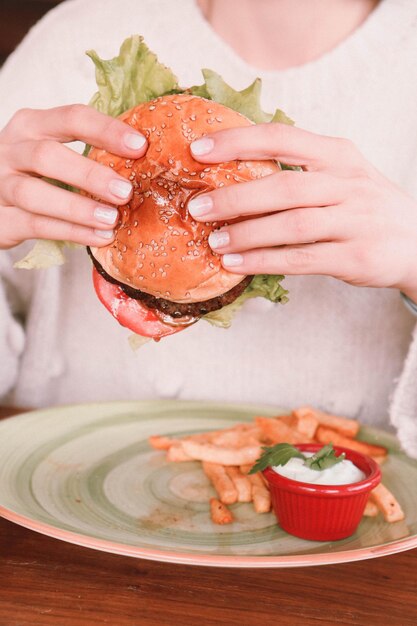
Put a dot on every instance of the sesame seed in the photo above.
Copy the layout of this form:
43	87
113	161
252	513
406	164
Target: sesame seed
152	107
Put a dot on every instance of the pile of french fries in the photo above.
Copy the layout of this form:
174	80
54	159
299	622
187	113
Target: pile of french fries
227	455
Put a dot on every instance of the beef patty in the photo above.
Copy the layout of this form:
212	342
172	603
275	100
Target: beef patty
176	309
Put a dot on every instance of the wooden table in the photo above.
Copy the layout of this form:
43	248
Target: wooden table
47	582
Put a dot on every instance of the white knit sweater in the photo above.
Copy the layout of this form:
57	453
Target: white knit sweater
338	347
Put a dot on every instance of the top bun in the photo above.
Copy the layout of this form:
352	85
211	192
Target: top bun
158	247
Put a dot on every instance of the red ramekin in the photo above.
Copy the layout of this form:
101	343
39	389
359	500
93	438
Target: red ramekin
322	512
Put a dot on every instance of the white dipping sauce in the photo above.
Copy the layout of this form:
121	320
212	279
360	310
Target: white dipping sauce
342	473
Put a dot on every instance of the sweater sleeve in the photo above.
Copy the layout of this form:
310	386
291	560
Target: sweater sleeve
403	410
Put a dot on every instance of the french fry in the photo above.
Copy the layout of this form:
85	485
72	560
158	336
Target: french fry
160	443
307	425
219	512
237	438
223	456
344	425
222	483
260	494
328	435
177	454
277	431
379	459
242	484
371	509
387	504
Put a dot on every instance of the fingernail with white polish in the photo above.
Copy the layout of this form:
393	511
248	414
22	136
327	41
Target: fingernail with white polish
120	188
219	239
134	141
106	215
202	146
200	205
232	260
104	234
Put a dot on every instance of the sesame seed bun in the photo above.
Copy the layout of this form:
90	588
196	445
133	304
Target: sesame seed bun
158	247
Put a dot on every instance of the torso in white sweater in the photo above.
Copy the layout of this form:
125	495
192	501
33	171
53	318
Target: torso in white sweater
333	345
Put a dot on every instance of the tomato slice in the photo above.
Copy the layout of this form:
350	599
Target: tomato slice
130	312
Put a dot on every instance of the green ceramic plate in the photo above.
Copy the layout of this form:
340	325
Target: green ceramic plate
86	474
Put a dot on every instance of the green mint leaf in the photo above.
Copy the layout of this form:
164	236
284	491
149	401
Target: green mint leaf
276	455
324	458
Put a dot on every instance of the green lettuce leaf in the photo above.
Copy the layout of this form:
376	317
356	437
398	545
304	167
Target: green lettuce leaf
247	102
262	286
134	76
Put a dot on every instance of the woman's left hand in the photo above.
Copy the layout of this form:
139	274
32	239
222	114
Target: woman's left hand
339	217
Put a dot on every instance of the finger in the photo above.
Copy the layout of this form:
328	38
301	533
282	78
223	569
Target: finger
316	258
288	227
53	160
77	122
277	192
288	144
37	196
20	225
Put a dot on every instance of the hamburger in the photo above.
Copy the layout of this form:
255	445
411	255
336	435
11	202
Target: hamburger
159	275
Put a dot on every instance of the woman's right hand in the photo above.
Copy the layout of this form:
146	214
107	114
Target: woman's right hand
31	147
